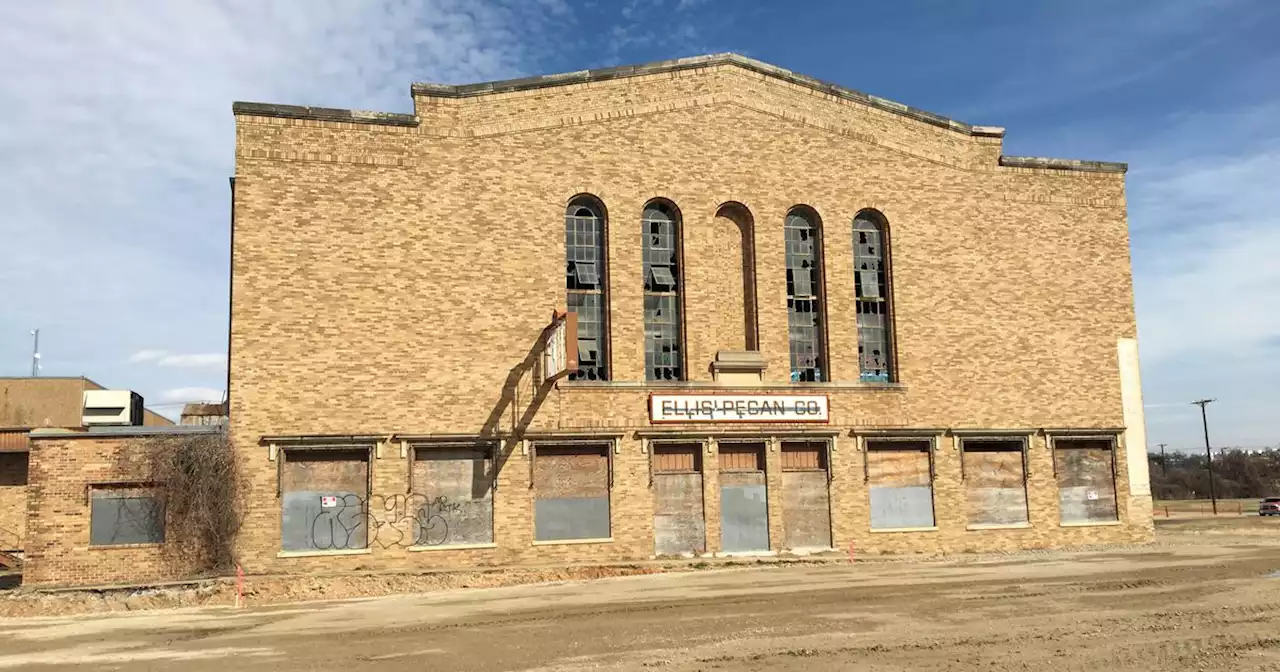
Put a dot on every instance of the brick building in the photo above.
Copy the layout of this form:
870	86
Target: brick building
806	318
27	403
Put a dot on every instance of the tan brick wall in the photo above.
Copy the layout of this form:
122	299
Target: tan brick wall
58	552
42	402
395	280
13	500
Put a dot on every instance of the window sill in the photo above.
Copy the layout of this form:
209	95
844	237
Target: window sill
570	542
119	547
745	554
319	554
707	385
1092	523
895	530
1005	526
454	547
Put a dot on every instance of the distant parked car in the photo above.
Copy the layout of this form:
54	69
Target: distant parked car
1269	506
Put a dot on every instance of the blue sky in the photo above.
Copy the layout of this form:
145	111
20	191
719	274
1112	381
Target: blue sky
116	142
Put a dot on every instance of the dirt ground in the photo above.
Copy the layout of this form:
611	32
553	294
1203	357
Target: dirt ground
1205	596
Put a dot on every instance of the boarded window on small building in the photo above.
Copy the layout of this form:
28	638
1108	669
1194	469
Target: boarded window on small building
994	473
679	523
900	482
571	492
324	499
120	515
744	498
806	497
453	496
1085	471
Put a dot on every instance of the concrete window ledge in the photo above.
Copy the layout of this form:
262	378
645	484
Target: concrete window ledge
454	547
1091	523
122	547
320	554
1010	526
566	542
894	530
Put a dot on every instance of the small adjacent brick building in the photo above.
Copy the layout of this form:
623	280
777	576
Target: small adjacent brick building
806	318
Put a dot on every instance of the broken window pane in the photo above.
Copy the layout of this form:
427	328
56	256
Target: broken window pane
803	242
661	286
872	299
584	259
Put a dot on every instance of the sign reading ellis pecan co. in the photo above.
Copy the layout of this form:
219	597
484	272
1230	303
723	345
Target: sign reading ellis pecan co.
738	408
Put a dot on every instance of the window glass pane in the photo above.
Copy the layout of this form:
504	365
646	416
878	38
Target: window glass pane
872	298
125	516
663	360
584	280
804	309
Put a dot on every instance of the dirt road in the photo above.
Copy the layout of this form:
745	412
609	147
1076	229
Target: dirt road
1206	596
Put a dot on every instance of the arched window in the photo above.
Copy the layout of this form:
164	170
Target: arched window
585	280
663	356
805	315
872	295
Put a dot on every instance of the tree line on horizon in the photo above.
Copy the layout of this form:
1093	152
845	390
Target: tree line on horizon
1237	474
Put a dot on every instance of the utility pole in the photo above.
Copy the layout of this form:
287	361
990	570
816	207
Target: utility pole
1164	467
1208	453
35	354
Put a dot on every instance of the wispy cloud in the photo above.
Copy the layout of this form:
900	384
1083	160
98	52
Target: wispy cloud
116	142
216	360
191	395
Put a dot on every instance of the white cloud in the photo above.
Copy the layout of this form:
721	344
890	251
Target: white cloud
210	359
191	394
146	356
117	139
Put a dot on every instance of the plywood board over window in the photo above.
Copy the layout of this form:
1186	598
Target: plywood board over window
571	492
806	497
121	515
1085	471
900	483
744	500
324	499
995	482
679	523
452	499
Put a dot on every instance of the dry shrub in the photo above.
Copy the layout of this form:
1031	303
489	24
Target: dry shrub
203	492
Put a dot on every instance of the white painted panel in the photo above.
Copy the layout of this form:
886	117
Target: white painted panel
738	408
1135	433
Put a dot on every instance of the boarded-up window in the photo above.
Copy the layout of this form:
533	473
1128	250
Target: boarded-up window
1085	471
995	482
676	458
679	525
452	500
900	483
324	500
806	497
743	457
744	500
804	456
120	515
571	492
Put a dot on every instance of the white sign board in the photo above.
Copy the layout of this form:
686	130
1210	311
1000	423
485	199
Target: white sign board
665	408
328	501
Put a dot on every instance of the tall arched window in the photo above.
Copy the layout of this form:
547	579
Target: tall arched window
663	356
585	280
872	295
805	315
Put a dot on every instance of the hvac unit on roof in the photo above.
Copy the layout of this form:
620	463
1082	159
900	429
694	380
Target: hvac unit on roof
111	407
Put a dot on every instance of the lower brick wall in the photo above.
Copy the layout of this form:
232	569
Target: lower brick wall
13	500
62	468
58	552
